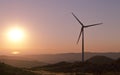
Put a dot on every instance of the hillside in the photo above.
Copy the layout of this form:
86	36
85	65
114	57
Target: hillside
109	66
9	70
22	63
100	60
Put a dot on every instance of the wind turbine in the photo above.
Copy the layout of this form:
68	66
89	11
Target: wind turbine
82	33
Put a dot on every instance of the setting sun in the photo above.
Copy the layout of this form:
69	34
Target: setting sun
15	34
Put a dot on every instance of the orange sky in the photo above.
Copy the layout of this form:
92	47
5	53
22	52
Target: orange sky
49	26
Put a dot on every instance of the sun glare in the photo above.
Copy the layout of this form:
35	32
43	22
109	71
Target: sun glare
15	52
15	34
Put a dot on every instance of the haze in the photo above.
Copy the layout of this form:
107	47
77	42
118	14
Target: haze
50	28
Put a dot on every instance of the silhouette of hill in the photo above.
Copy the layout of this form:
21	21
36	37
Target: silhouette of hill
100	60
57	67
109	66
9	70
118	60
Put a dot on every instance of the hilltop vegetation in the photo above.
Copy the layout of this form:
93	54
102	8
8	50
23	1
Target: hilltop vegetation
9	70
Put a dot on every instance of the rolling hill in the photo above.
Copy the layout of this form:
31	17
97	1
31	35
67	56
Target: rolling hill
23	63
92	65
100	60
9	70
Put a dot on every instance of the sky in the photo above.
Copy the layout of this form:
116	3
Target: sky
50	28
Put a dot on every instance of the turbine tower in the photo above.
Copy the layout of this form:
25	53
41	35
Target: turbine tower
82	33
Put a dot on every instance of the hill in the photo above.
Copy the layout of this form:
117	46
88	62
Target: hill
22	63
9	70
100	60
109	66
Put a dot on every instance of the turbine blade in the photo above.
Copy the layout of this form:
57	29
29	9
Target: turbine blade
79	35
93	25
77	19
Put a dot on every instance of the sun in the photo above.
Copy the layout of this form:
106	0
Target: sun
15	34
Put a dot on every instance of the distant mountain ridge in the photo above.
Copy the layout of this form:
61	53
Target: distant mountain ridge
54	58
70	57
